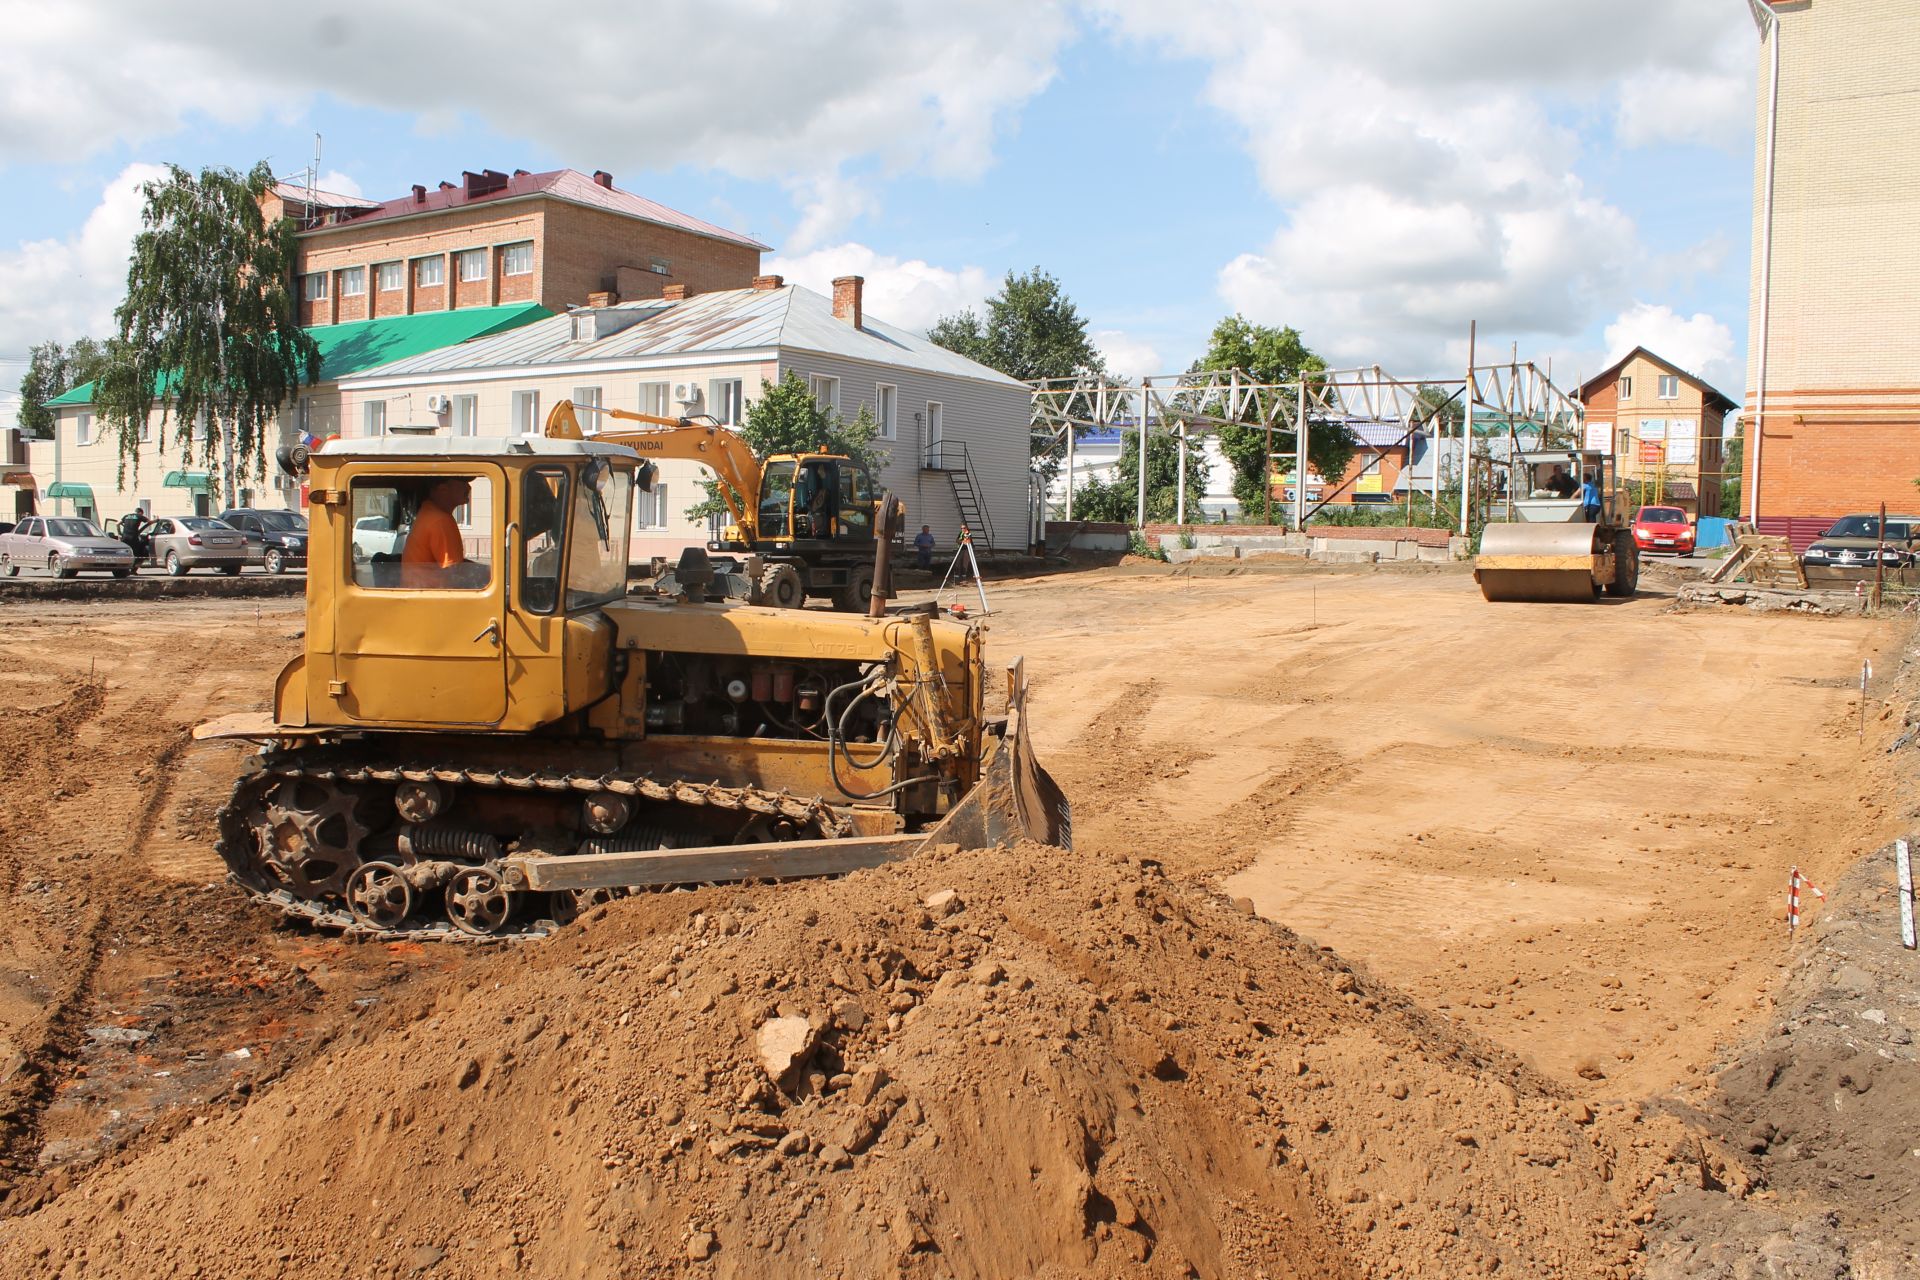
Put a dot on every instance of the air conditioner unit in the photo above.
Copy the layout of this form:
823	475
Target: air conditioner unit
686	393
438	405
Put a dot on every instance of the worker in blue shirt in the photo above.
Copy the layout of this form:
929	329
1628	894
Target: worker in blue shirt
923	547
1590	500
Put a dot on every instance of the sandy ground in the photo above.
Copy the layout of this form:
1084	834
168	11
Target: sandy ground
1562	832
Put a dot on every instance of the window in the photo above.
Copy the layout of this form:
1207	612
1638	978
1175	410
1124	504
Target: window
602	506
826	391
313	286
1669	386
660	266
590	397
389	511
473	265
353	282
543	517
887	409
146	431
466	415
723	400
526	413
83	427
653	398
373	418
304	422
1626	390
392	276
653	507
429	273
517	260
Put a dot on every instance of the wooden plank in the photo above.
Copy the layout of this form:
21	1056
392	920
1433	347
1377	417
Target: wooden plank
709	863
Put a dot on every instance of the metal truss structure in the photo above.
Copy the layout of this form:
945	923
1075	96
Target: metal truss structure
1516	400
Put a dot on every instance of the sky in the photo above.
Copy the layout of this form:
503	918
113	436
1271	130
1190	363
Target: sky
1375	173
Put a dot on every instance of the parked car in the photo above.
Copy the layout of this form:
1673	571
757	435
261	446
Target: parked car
275	539
62	546
376	536
1663	531
1853	541
184	543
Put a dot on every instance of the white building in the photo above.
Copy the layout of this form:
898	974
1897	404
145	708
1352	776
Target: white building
953	433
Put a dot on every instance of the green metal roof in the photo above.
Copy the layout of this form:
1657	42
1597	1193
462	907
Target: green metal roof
199	480
68	489
359	345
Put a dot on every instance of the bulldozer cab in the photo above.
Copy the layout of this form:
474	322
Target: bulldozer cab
816	498
456	589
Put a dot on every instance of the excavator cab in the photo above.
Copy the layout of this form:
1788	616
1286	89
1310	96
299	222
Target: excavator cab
818	499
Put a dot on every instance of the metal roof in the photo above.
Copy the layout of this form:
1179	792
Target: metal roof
789	318
295	192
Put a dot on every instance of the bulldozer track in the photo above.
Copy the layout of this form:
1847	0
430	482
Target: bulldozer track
239	843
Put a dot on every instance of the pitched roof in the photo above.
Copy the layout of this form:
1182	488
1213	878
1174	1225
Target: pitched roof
1715	400
294	192
727	321
560	184
358	345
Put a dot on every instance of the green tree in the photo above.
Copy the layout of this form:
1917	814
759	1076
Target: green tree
1733	471
53	370
1118	500
1271	355
787	419
210	327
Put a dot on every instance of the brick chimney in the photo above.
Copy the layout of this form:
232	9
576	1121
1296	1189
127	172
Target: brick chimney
419	194
767	284
602	178
846	299
602	298
674	293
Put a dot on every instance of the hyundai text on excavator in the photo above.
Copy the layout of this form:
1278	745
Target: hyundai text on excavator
477	743
806	520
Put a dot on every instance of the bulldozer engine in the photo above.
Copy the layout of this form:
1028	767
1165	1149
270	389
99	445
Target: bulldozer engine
486	734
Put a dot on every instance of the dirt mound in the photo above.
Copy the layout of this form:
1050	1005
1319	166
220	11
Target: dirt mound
1003	1063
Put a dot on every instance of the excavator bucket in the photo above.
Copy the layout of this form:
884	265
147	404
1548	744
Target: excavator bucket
1016	799
1540	562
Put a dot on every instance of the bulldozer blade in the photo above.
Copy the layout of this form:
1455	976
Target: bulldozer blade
1015	800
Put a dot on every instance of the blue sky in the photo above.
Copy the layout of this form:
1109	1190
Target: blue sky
1375	173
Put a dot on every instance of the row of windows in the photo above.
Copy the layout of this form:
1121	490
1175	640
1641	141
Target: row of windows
886	402
428	273
1669	387
85	432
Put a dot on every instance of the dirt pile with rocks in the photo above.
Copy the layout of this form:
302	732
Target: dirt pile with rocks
1011	1062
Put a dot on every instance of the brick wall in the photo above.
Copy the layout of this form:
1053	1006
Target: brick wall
585	248
1828	467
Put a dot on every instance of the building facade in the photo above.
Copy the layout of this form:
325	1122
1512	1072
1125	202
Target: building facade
1833	376
1667	428
557	239
939	414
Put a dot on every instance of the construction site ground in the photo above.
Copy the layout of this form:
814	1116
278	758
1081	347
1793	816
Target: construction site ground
1404	935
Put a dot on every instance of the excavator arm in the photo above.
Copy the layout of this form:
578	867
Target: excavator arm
721	451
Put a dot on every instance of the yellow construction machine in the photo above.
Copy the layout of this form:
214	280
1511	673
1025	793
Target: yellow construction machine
1548	550
485	732
804	522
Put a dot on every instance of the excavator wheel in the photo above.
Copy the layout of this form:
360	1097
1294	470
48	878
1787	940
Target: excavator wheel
857	594
1626	565
781	588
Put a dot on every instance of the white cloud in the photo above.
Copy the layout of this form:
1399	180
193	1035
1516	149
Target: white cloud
828	203
337	182
909	293
1126	355
1697	343
67	289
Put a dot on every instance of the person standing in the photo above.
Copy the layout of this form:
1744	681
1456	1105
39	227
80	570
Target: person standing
923	547
1590	500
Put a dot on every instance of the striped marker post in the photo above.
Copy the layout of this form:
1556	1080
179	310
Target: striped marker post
1794	881
1903	866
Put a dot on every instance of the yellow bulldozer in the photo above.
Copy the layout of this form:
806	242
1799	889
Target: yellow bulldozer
1549	549
803	523
485	732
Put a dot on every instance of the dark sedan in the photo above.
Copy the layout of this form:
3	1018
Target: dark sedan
276	540
1855	541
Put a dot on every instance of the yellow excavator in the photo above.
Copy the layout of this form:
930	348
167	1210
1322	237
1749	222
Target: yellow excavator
1548	549
804	523
485	733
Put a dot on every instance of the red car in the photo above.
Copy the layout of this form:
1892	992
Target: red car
1663	530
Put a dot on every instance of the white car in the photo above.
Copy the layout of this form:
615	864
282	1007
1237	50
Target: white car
63	546
376	536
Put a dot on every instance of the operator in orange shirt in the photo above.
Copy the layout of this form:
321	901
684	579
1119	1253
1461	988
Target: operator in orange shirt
434	545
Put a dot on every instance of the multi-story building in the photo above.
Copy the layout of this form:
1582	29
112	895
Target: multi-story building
1667	428
952	434
559	239
1833	373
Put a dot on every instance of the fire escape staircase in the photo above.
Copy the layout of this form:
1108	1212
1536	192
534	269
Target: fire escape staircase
952	459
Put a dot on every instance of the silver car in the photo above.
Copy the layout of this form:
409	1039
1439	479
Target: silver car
181	543
63	546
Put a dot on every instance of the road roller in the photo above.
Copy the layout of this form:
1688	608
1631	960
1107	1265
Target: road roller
1552	548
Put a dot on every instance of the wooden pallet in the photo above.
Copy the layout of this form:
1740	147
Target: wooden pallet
1761	560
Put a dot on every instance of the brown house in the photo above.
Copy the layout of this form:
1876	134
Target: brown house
1667	428
557	238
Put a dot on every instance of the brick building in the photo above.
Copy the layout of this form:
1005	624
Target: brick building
1833	378
492	239
1667	428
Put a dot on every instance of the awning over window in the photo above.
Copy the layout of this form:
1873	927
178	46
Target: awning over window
22	479
198	481
68	489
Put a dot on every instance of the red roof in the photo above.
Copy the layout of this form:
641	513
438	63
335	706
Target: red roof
490	186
